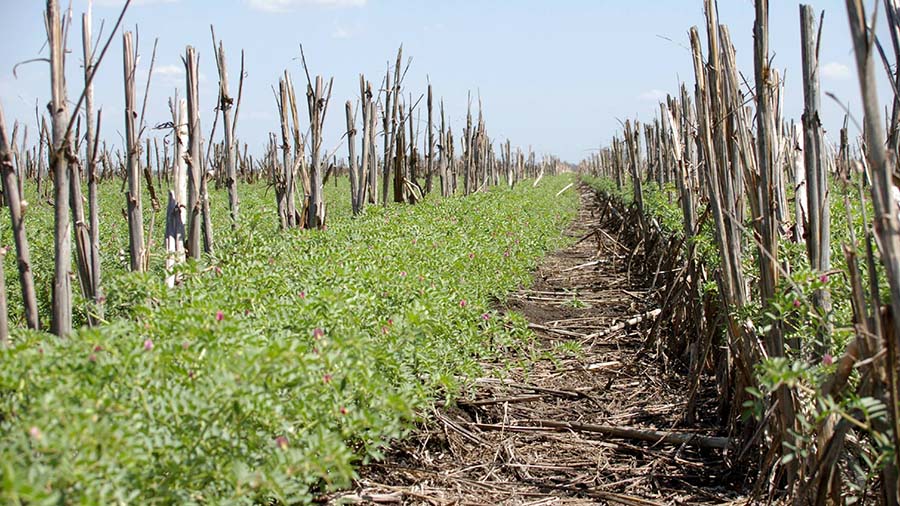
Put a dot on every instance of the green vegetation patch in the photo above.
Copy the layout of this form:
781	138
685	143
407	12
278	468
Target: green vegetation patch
279	362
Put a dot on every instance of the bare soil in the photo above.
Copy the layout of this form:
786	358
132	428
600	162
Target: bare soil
596	423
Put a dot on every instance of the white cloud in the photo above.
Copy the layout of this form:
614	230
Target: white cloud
166	75
169	70
835	70
287	5
653	95
341	33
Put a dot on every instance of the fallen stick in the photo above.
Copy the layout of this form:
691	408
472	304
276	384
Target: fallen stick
572	394
560	192
588	264
652	436
535	326
611	238
503	400
627	323
586	237
603	365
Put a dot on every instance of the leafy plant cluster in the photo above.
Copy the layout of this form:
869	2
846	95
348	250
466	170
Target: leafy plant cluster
278	363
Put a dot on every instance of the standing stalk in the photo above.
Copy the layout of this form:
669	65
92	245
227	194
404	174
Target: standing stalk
17	207
225	105
60	154
194	163
132	161
91	162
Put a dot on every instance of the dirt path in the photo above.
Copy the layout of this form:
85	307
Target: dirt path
565	430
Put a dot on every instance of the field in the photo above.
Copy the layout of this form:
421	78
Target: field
239	281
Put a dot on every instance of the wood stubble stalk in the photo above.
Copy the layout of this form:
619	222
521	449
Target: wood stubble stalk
17	207
176	210
281	174
363	166
294	218
467	154
205	210
444	169
226	102
818	231
634	164
430	168
373	153
317	100
351	161
90	164
368	165
60	154
4	320
768	225
194	163
892	8
132	160
887	225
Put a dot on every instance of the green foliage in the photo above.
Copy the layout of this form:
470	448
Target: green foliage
279	363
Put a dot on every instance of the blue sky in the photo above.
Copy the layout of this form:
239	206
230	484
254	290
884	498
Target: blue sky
556	75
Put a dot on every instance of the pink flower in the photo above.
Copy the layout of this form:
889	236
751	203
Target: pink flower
148	344
217	270
281	442
796	302
390	321
92	358
302	295
402	274
98	348
326	379
414	241
824	278
506	254
344	410
191	374
827	359
463	303
486	316
384	330
318	333
185	345
220	316
471	255
35	433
